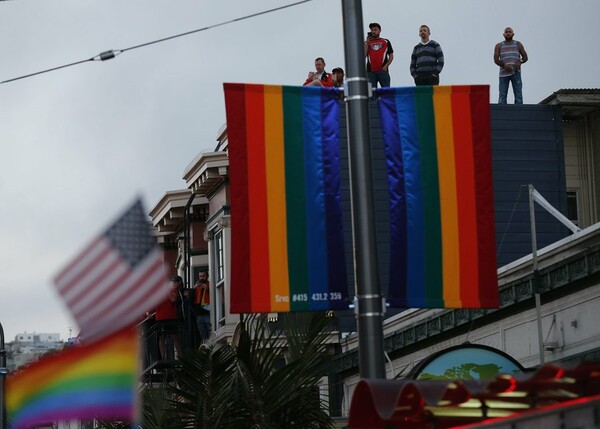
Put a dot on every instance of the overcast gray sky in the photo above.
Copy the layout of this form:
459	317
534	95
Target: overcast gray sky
78	144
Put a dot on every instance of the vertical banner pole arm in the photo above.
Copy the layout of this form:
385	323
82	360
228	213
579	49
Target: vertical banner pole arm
536	288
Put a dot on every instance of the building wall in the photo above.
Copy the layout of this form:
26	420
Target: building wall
573	132
219	235
28	347
582	161
25	338
218	200
197	240
170	259
37	338
594	125
527	148
579	167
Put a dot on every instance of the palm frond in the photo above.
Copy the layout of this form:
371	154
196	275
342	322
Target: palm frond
269	380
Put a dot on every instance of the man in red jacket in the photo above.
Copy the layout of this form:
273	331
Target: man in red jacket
167	319
320	77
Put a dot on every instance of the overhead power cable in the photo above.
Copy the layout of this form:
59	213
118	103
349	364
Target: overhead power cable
107	55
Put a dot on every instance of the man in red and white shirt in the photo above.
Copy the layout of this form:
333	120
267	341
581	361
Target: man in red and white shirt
380	54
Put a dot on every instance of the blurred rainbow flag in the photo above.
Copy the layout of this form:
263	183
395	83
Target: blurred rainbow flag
87	382
107	287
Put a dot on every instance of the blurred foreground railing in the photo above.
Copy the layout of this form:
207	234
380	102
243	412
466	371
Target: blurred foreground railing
161	342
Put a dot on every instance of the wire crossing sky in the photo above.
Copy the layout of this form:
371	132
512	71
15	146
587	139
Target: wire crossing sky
108	55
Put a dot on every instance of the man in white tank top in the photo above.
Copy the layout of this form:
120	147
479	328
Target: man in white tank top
509	55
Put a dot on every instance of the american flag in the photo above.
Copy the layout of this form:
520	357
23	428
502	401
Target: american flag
116	278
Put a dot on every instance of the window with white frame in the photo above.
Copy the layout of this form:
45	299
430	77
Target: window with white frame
220	278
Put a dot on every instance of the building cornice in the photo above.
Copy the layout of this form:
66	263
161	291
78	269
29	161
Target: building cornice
206	172
575	103
167	215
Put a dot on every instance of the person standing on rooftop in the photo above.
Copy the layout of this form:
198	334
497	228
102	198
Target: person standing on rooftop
427	59
510	55
380	54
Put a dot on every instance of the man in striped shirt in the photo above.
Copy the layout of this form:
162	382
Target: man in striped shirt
427	60
509	55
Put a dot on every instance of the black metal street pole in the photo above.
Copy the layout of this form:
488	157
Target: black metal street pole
368	292
3	372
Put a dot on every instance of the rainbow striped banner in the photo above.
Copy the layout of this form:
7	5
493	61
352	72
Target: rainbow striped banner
438	150
287	247
87	382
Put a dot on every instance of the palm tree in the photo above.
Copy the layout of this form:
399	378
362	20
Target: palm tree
268	380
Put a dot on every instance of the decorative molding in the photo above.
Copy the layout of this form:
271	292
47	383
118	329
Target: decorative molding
212	222
224	222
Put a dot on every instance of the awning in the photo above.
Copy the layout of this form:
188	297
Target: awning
411	404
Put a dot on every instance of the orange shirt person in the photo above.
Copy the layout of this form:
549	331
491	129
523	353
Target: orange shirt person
201	305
